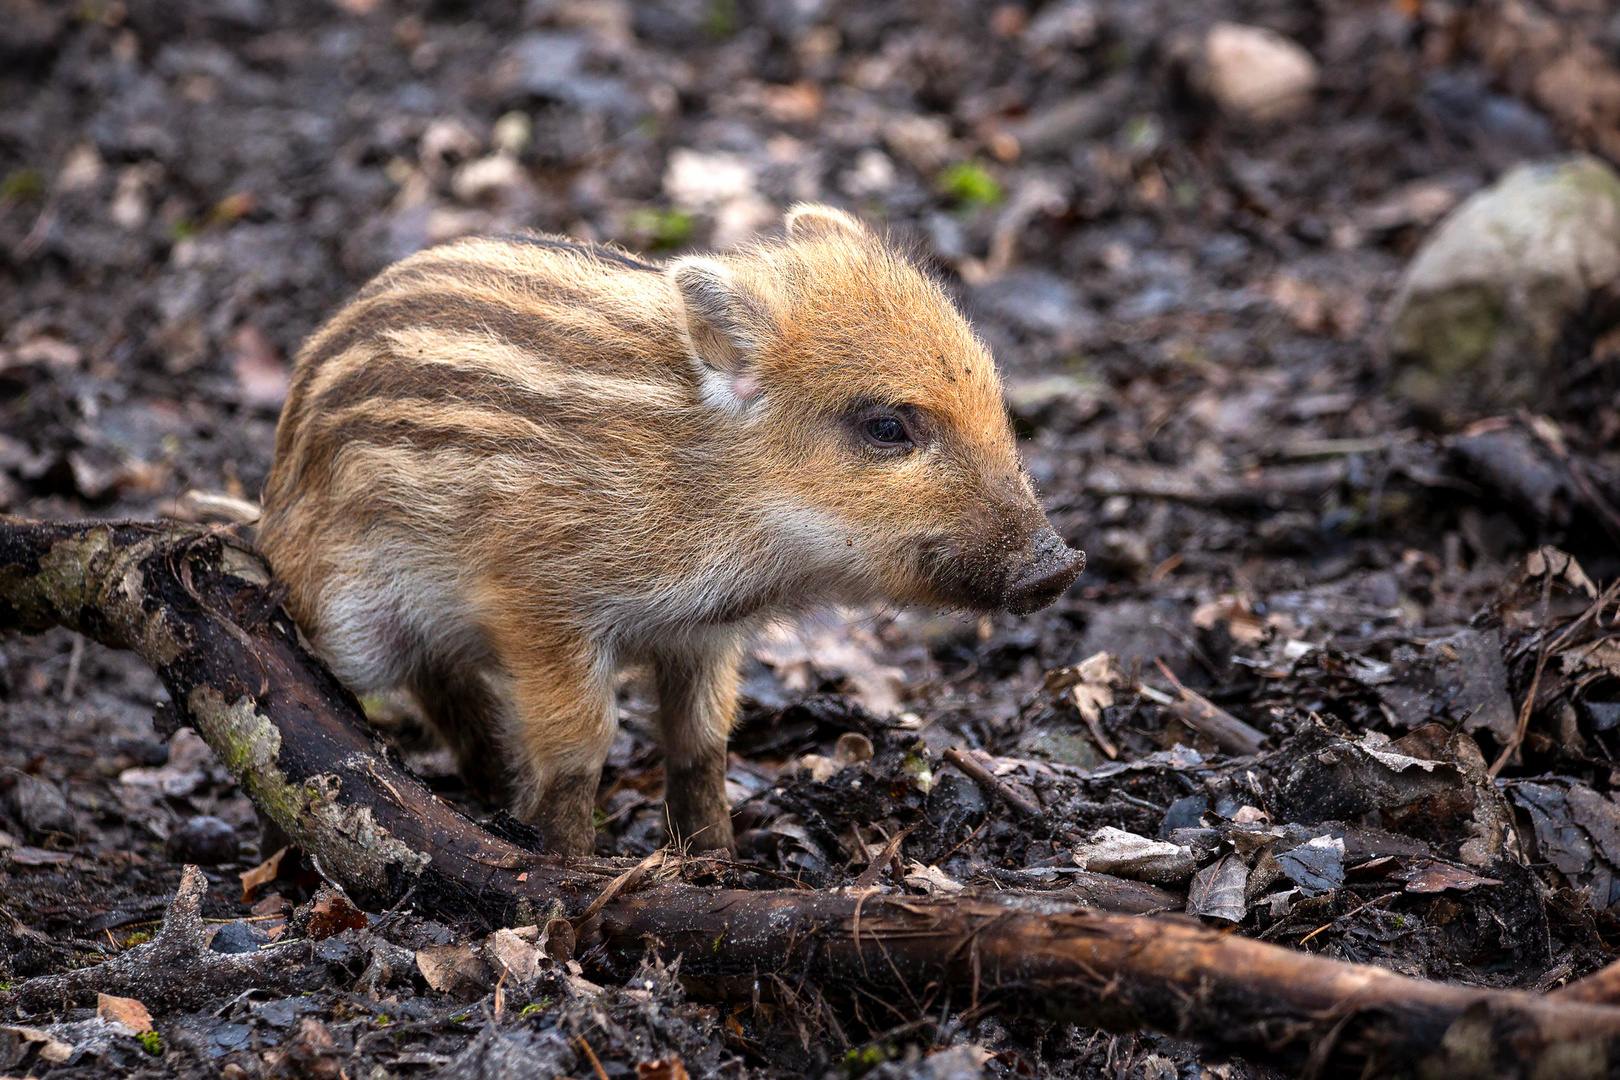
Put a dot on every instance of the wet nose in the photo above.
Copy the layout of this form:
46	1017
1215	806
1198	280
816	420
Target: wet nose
1052	568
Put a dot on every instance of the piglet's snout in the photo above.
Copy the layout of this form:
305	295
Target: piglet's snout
1051	569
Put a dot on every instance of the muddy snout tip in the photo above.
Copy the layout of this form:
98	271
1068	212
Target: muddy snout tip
1055	568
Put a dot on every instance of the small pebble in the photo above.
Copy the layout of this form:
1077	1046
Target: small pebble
1257	73
205	841
238	937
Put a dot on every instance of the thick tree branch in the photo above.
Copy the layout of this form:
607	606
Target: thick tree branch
199	608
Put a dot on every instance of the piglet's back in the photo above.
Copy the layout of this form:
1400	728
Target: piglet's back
460	386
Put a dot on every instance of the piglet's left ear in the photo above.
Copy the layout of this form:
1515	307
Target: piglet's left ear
726	330
807	220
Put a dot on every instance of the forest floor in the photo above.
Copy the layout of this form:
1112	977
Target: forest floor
1188	311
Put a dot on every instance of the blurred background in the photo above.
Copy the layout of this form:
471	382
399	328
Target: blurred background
1191	234
1308	312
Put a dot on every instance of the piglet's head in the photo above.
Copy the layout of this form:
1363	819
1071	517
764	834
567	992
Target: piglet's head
867	419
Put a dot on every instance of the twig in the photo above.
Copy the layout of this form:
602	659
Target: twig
624	881
1353	911
1094	725
962	843
596	1066
869	876
1523	726
75	658
993	783
1204	716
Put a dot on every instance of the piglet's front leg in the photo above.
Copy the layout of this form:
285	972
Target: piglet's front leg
697	702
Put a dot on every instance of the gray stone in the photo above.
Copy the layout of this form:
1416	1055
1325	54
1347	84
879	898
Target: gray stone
238	937
40	808
205	841
1479	312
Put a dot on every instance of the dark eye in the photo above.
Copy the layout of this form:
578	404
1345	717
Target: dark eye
886	432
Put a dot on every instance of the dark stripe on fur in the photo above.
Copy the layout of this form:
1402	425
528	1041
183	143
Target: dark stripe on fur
398	379
599	252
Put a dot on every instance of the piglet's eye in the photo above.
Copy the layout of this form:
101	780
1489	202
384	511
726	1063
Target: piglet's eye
886	432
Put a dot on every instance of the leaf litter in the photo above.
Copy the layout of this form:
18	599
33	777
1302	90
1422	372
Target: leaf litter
1335	680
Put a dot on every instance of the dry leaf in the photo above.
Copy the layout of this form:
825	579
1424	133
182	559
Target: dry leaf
456	968
837	646
51	1048
1217	890
122	1010
190	760
1094	691
852	748
1125	854
261	875
1433	877
330	913
557	941
669	1068
931	879
511	956
33	856
274	904
1241	622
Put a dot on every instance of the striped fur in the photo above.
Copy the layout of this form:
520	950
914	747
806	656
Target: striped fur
510	465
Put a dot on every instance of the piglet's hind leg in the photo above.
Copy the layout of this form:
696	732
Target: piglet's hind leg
471	718
561	732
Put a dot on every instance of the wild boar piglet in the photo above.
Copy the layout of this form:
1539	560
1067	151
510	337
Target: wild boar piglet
510	466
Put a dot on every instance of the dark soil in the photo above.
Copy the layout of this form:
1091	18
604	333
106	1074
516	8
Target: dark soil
1187	310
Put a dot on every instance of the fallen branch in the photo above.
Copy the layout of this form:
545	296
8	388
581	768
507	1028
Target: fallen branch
1599	988
176	970
199	608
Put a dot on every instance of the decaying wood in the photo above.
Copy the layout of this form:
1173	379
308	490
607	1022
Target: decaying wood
176	970
1599	988
199	608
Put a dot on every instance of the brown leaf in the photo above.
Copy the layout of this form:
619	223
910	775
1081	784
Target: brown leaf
312	1052
1241	622
274	904
1433	877
122	1010
51	1048
261	875
512	956
456	968
329	913
669	1068
558	940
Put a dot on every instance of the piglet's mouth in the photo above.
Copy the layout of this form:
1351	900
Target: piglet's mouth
1052	568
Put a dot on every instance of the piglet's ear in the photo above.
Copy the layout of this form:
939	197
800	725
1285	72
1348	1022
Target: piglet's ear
726	329
807	220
